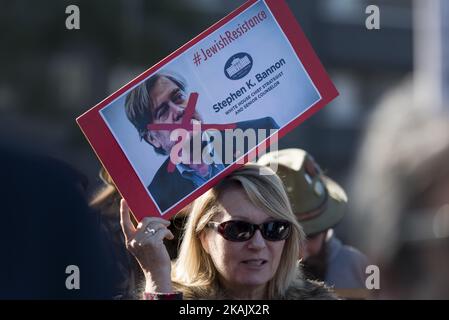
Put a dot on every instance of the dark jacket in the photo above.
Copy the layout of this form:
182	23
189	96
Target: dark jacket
168	188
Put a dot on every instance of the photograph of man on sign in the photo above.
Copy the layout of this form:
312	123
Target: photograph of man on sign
162	99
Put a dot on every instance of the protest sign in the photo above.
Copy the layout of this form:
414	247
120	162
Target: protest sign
251	77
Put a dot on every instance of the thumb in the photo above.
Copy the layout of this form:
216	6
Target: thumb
125	220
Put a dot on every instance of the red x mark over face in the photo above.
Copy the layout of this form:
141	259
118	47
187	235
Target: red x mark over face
187	124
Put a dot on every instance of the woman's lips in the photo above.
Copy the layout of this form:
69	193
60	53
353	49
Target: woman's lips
255	263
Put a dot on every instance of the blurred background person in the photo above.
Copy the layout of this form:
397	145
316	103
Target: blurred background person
46	227
106	204
399	183
401	196
319	204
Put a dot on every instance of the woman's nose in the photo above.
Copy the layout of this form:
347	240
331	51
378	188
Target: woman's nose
257	241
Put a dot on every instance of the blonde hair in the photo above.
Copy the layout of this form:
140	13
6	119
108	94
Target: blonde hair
194	267
106	195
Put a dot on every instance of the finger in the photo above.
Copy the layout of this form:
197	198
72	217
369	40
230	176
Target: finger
169	235
125	220
145	221
158	237
146	227
142	233
163	234
131	245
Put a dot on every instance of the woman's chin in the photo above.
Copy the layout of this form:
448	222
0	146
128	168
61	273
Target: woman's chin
253	279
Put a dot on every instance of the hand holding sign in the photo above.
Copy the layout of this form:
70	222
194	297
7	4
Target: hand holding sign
146	243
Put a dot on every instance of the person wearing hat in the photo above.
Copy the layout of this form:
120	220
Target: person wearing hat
319	204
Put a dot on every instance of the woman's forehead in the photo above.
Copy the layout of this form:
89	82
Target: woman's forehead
237	205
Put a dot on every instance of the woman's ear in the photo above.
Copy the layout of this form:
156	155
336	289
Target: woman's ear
204	241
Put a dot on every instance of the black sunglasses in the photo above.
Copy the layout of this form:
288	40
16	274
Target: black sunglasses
239	231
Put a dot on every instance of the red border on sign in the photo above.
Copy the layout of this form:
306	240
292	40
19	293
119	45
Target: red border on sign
114	159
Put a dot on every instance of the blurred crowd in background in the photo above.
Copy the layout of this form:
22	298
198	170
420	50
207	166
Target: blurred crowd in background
385	139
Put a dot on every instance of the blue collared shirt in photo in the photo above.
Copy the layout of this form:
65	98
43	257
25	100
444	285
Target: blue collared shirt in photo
214	168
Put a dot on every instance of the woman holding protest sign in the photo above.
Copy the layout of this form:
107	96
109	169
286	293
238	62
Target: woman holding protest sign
241	242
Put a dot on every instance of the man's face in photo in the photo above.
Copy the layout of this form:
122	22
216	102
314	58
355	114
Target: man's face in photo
168	106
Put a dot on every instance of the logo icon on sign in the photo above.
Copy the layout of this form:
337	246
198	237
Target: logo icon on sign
238	66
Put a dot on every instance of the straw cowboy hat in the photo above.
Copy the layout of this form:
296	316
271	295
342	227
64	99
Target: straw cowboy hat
318	202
